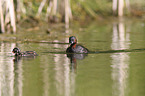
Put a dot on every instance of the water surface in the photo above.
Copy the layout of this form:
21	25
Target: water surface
52	73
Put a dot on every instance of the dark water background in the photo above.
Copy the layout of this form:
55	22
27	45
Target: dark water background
52	73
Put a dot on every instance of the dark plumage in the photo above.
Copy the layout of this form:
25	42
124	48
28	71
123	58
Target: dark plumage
74	47
18	52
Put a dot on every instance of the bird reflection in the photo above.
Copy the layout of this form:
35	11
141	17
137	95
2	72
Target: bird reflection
19	58
73	59
16	59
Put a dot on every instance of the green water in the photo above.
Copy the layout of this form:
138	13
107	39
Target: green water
52	73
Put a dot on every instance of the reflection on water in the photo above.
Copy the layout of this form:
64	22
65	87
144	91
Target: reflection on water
6	70
73	60
71	71
18	77
63	76
120	61
65	68
59	74
11	71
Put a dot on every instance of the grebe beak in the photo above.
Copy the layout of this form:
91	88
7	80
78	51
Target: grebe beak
72	42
